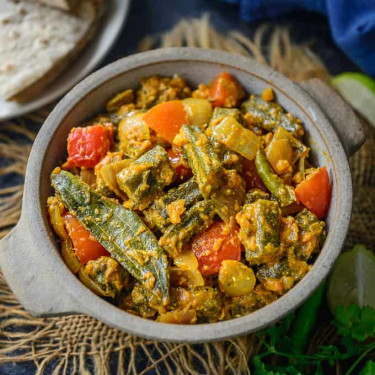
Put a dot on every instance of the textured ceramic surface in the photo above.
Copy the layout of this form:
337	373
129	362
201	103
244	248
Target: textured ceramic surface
29	255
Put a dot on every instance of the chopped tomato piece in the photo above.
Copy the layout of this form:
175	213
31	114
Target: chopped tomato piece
215	245
180	166
225	91
86	247
251	176
89	145
315	192
166	119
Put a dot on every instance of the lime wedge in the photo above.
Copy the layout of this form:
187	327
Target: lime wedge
359	90
353	279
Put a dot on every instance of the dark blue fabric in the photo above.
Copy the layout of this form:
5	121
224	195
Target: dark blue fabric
352	22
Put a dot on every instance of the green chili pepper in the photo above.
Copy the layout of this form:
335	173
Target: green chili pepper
270	115
284	193
305	320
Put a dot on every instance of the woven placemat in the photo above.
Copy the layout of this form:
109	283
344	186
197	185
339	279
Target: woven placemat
81	344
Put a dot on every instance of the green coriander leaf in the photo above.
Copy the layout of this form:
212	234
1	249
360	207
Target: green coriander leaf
344	318
355	322
368	369
366	326
277	332
350	345
319	369
329	352
286	370
260	368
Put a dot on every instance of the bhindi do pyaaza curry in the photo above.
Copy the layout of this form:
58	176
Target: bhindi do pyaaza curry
189	206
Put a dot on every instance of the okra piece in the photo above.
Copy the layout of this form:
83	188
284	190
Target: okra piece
229	197
208	303
108	175
197	219
157	216
229	159
275	270
254	194
306	219
267	214
220	113
259	231
108	274
312	234
205	300
242	305
283	193
270	115
145	178
118	229
278	277
202	158
122	98
225	187
144	302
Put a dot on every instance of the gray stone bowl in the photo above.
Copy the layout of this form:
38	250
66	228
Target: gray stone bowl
30	256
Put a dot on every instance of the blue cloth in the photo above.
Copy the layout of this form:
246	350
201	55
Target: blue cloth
352	22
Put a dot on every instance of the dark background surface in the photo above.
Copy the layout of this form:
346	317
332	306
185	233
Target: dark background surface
154	16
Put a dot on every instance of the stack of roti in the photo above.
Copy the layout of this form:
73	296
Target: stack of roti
62	4
37	42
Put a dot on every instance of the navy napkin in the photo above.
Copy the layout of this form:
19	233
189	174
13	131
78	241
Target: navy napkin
352	22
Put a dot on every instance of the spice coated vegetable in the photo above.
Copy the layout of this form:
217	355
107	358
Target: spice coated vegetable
119	230
269	115
85	245
284	193
87	146
157	215
179	235
144	179
166	119
215	245
202	158
259	233
232	134
189	206
180	166
221	113
315	192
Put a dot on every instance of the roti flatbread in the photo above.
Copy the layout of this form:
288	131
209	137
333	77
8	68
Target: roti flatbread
37	43
62	4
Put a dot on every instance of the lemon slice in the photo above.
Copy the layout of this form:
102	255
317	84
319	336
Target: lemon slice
359	90
353	279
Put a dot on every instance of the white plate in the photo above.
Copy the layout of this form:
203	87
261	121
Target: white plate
107	33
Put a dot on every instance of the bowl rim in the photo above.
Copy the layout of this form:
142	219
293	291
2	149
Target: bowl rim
84	301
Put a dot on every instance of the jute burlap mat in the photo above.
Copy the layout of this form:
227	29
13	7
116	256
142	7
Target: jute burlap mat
83	345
